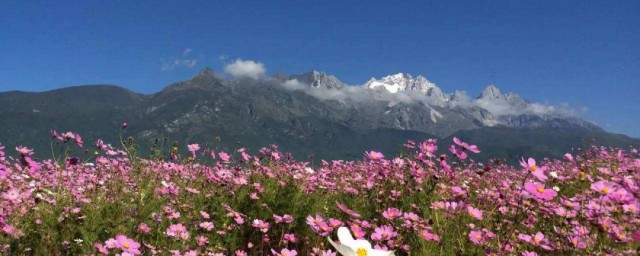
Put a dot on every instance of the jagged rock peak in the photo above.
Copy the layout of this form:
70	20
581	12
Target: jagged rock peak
490	92
319	79
205	72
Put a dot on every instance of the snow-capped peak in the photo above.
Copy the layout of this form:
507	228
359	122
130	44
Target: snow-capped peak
403	82
400	82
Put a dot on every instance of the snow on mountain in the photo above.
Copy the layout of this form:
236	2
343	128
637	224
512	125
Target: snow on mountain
400	82
318	79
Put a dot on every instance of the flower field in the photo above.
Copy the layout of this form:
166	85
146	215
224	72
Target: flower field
103	199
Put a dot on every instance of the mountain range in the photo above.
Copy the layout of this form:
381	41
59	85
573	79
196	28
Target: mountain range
311	114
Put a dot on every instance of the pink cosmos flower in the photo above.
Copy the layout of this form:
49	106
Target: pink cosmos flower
285	252
428	147
466	146
111	243
427	236
374	155
604	187
128	245
383	233
460	150
536	171
224	156
290	237
528	253
348	211
474	212
260	224
24	151
568	157
391	213
101	249
193	148
55	135
539	191
177	231
12	194
208	226
284	218
78	140
202	241
538	240
191	253
476	237
143	228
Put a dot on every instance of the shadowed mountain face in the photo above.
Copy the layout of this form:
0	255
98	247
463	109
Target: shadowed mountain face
307	114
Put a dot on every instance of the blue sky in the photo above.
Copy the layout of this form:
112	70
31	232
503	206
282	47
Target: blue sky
584	53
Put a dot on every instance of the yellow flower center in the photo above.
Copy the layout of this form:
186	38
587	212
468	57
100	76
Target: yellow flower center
361	252
126	245
605	190
384	234
540	189
536	240
478	236
285	254
534	168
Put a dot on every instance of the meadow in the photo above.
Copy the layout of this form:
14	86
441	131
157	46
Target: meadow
104	199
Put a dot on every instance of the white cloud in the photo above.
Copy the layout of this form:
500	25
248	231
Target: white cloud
245	69
186	52
176	62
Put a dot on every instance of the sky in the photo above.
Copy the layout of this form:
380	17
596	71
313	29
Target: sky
582	53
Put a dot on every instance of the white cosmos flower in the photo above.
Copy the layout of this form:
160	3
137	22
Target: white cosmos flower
351	247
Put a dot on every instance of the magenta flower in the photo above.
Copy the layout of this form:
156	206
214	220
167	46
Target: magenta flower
12	194
101	249
427	236
466	146
604	187
208	226
284	218
128	245
224	156
260	224
348	211
374	156
383	233
474	212
476	237
428	147
285	252
536	171
24	151
392	213
290	237
143	228
193	148
177	231
461	148
539	191
538	240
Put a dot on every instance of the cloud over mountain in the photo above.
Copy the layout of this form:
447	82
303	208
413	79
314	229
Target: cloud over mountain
245	69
